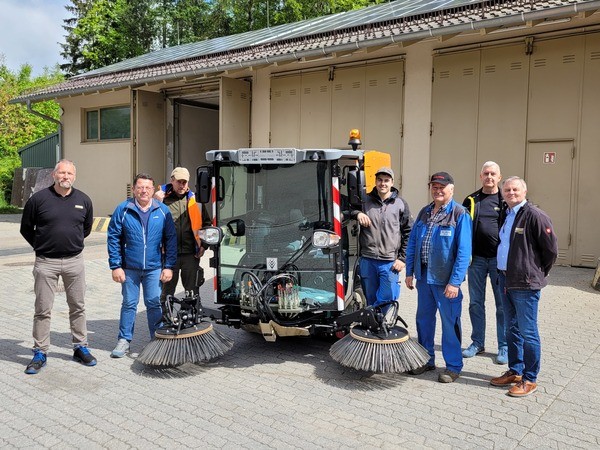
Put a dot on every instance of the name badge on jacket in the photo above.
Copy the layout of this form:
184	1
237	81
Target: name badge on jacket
445	232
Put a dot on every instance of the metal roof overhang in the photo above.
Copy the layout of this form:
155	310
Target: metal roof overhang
214	65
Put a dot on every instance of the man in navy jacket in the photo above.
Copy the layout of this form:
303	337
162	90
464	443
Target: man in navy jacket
527	251
142	250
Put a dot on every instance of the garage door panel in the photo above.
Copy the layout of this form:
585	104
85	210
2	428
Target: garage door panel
454	118
502	131
383	111
554	90
315	106
586	243
347	104
285	111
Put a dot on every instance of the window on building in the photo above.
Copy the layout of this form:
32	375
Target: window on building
107	123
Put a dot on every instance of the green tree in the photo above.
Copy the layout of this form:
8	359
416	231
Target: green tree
103	32
17	126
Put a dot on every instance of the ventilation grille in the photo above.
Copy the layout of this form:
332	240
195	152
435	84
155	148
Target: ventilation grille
568	59
468	71
445	74
539	62
490	69
594	55
517	65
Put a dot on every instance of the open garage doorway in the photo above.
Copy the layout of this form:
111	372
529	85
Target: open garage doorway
212	115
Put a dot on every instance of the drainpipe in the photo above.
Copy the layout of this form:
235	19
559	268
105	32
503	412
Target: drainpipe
59	151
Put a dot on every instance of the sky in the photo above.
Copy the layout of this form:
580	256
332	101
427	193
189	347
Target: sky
31	32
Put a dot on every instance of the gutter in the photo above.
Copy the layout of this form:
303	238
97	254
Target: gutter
509	21
59	151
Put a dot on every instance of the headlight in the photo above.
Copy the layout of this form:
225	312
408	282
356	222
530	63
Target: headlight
325	239
210	235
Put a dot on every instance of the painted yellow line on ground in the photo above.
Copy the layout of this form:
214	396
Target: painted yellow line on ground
100	224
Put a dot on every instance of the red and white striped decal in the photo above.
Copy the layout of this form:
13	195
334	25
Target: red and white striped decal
337	228
213	202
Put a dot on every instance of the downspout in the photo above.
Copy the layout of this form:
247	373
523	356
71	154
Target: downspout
51	119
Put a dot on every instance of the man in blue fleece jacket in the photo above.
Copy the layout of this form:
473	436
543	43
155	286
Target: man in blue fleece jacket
142	250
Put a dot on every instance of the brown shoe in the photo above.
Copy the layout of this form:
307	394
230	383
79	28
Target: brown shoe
522	389
506	379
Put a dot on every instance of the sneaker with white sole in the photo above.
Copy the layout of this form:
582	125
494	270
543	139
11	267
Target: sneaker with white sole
121	349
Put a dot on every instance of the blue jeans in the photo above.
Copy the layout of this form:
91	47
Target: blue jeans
520	317
150	282
478	271
431	298
380	284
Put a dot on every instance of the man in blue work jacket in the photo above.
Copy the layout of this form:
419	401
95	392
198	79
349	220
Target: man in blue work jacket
438	256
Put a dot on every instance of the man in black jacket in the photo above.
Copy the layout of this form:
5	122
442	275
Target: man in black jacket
55	222
385	226
485	206
528	249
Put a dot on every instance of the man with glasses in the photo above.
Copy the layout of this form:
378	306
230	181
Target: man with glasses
142	251
189	217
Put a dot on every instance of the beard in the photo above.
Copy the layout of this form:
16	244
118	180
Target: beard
66	184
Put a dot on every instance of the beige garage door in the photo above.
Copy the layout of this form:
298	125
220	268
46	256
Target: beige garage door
312	110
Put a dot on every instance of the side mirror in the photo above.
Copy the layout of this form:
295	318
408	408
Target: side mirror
203	184
237	227
211	235
356	188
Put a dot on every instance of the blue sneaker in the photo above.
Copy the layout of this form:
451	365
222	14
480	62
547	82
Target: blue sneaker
502	357
472	350
36	364
82	355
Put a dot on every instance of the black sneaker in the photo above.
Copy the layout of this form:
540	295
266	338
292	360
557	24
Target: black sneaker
82	355
36	364
421	370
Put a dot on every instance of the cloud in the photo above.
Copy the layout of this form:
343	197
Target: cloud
31	32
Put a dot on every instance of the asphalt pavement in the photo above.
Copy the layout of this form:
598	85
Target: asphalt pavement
285	394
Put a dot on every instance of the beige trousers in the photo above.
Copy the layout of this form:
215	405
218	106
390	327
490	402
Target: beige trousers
45	274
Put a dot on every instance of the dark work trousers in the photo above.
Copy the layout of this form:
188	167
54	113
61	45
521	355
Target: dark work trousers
188	264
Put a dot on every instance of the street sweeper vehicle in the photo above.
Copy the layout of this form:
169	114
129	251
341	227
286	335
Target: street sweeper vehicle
285	259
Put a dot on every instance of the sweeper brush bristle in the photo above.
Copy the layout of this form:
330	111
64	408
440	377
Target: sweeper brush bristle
193	345
364	350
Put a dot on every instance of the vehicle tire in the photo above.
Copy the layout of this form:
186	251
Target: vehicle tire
357	301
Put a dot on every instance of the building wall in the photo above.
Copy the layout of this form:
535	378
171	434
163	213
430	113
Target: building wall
531	112
103	168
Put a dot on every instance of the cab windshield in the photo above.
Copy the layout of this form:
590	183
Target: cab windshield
268	214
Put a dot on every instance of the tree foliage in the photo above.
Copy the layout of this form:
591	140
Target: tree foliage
103	32
17	126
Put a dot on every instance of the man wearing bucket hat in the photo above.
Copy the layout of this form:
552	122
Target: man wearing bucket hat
189	217
385	223
438	256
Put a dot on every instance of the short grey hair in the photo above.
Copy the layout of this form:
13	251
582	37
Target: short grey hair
489	164
517	180
64	161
